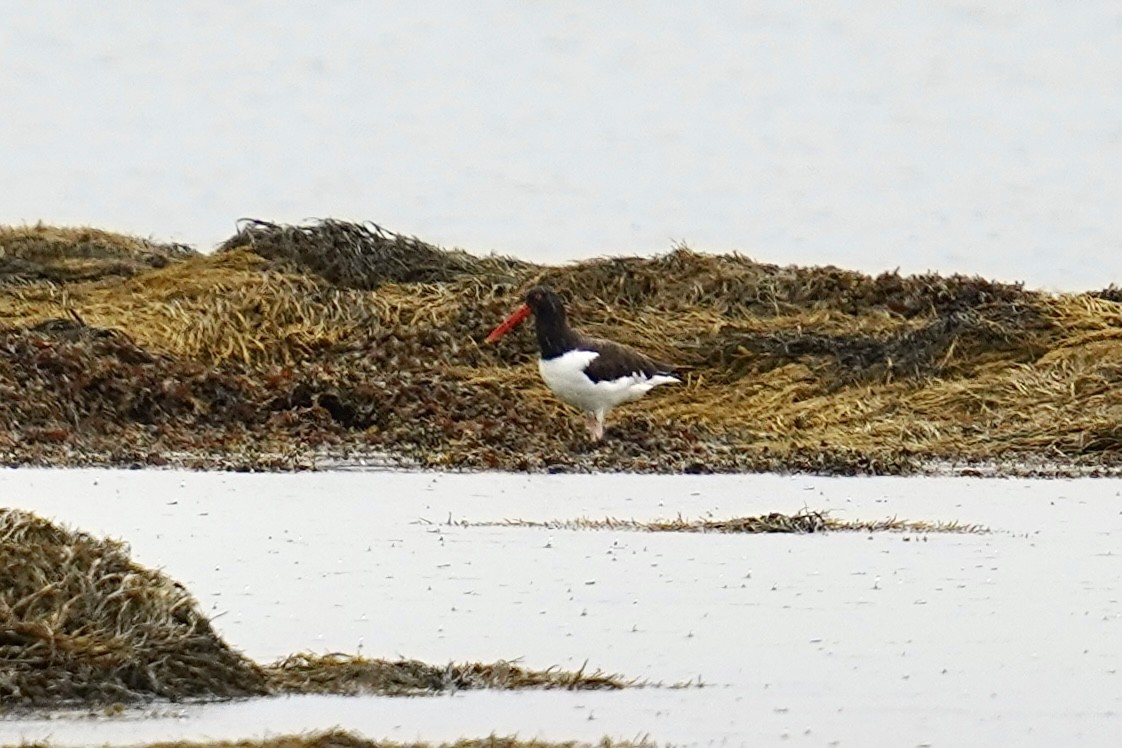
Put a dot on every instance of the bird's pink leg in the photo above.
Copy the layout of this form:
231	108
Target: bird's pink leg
590	423
596	426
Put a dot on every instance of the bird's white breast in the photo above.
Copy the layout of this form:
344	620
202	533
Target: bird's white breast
565	376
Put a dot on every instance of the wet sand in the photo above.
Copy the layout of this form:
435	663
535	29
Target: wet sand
847	638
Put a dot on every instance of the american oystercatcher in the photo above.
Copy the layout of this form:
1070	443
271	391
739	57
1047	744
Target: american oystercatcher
589	373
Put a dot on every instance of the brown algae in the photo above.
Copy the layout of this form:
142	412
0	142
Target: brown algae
296	346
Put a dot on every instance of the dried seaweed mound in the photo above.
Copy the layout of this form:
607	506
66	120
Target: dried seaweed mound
737	287
80	622
339	340
360	256
37	253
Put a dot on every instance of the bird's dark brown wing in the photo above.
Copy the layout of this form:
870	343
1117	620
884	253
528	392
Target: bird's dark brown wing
617	361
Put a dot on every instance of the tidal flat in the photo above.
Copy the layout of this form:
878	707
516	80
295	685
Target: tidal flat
875	638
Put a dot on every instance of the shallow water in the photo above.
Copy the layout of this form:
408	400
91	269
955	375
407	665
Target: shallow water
980	137
883	639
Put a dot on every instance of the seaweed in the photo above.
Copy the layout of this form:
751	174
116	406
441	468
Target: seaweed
293	347
40	253
342	739
347	674
803	522
81	622
362	256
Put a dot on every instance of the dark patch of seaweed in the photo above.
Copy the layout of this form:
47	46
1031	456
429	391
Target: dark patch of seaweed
362	256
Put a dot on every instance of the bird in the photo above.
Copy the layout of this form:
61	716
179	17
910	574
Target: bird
592	374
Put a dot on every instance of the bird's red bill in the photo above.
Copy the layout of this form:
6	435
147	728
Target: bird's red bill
509	323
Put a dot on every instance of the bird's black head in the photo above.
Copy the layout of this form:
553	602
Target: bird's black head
554	335
544	302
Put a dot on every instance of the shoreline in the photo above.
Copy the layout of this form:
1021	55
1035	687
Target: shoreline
378	462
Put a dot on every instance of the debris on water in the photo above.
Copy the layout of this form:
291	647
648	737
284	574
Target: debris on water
342	739
805	521
347	674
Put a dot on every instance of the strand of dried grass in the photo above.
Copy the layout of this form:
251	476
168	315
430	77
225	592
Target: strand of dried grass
802	522
348	674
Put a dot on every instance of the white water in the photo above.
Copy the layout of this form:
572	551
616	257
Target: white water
981	137
1010	638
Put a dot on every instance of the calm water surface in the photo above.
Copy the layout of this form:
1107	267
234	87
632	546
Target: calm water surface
1007	638
982	137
